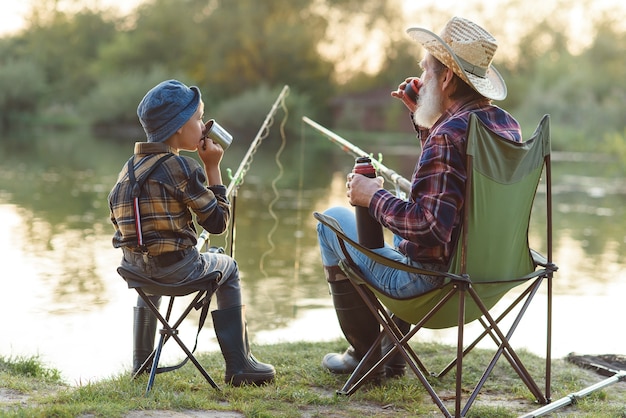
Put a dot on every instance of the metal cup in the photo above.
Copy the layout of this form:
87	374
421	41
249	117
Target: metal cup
217	133
411	90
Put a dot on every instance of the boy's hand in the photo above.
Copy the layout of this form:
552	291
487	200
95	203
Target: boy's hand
210	152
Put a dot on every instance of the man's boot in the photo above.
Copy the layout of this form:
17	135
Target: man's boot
395	366
358	324
144	331
232	334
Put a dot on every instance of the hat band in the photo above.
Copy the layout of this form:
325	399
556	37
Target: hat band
472	69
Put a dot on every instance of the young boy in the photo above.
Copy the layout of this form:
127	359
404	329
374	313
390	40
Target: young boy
161	245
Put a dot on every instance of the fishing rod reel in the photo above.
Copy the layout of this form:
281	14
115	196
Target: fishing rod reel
215	132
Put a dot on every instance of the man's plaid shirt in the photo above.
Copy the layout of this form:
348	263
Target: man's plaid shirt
429	220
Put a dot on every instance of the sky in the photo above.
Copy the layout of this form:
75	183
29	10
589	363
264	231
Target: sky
12	12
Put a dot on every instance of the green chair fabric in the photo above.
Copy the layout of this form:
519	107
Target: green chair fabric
505	175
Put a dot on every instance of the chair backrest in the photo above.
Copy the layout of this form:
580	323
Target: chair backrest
493	248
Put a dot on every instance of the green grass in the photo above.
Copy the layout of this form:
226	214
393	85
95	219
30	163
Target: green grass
301	388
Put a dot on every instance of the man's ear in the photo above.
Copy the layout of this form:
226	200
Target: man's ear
448	77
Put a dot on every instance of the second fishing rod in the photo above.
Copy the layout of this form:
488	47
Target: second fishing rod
402	184
222	137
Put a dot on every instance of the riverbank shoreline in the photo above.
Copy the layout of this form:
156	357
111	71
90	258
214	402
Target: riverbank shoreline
302	389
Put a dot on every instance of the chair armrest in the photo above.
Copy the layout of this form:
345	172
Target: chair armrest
541	260
332	223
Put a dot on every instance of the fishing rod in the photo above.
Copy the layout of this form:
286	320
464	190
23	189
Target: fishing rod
237	179
400	182
619	376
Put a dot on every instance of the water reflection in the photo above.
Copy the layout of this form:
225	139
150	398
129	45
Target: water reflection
65	301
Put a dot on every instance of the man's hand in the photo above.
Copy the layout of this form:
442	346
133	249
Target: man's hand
415	84
362	188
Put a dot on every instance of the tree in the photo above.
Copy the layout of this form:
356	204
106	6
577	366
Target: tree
64	46
21	85
230	47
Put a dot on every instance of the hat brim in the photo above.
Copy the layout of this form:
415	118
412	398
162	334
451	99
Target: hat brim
491	86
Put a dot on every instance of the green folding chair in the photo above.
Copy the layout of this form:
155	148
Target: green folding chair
492	257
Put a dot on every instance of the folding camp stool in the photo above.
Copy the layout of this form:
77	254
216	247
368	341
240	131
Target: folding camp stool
203	290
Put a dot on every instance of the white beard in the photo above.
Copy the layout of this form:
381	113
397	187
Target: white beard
429	106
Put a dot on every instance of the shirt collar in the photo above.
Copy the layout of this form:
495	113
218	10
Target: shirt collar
153	148
459	106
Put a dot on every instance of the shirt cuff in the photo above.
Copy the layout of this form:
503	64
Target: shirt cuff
218	189
378	202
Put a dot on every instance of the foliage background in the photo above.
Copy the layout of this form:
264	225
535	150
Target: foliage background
91	65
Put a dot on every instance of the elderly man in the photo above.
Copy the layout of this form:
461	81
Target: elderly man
458	79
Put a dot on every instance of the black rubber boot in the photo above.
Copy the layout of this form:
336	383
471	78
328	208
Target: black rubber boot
232	334
395	366
358	324
144	331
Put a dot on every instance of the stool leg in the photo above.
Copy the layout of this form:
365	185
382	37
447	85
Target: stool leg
155	361
172	331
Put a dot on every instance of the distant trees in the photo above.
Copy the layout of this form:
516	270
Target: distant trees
225	47
585	93
21	86
91	65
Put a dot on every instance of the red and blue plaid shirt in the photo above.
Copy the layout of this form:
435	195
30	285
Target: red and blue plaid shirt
428	221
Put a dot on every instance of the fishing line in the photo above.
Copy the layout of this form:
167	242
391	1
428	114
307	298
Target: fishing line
299	233
237	179
270	207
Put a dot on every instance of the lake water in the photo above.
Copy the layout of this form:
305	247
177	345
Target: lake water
64	301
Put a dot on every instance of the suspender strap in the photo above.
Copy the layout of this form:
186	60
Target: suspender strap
137	184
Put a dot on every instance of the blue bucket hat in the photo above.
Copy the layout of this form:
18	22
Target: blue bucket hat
167	107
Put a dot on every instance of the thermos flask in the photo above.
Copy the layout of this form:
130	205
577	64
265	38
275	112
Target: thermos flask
369	231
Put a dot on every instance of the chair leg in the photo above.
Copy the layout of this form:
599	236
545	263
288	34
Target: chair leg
171	331
358	324
396	365
505	348
400	344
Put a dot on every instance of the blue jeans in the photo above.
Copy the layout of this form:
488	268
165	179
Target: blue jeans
396	283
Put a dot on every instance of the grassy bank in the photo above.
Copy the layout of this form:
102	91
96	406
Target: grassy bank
302	389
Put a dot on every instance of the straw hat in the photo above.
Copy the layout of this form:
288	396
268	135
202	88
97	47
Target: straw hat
468	50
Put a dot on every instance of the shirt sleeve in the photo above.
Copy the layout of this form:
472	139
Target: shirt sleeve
429	216
210	204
